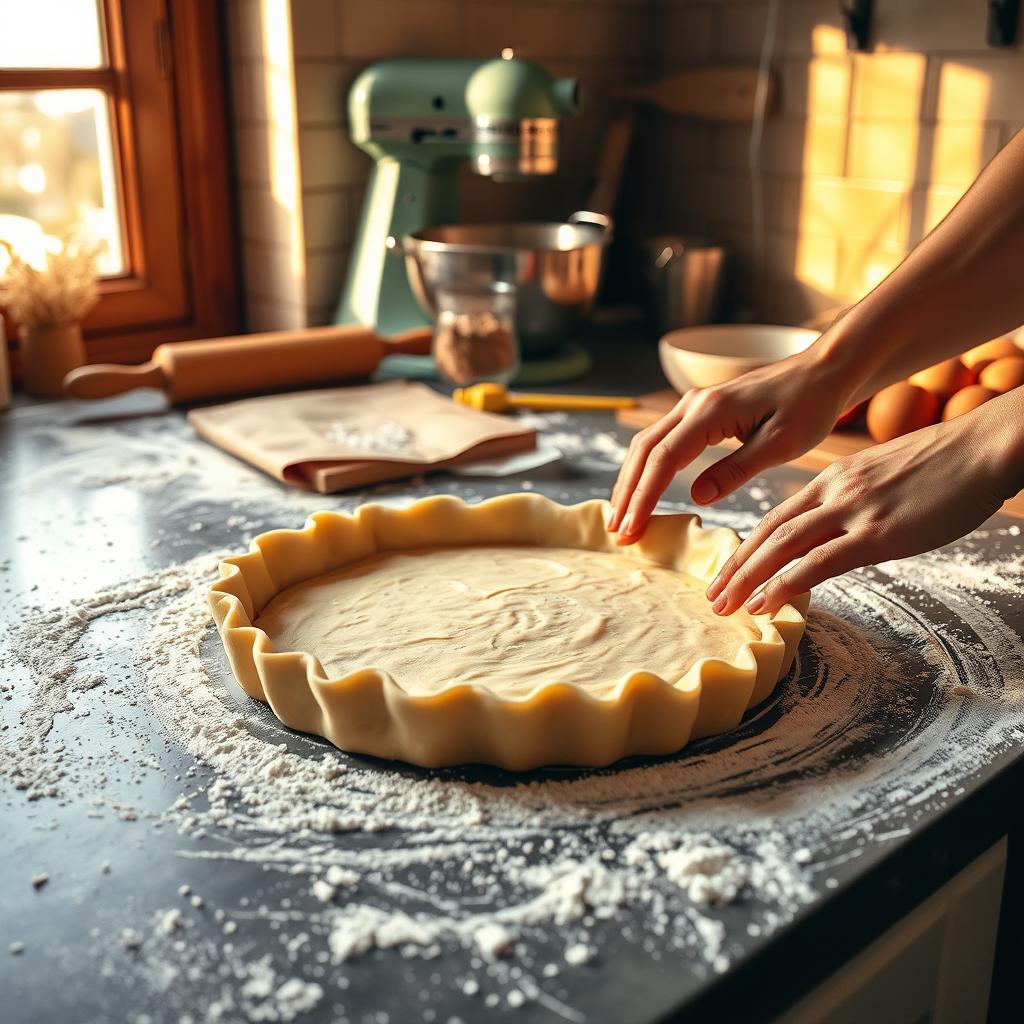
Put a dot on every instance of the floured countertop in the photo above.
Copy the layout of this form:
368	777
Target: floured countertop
172	853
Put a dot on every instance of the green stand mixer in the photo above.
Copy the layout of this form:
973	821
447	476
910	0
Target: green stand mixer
413	263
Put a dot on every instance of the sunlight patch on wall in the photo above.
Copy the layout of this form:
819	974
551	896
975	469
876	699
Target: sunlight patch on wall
963	93
959	144
282	133
959	150
889	86
829	82
864	210
828	40
816	263
828	88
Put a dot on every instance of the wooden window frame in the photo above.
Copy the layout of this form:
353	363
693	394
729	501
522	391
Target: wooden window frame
165	78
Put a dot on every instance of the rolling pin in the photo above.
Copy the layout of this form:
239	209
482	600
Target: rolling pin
218	367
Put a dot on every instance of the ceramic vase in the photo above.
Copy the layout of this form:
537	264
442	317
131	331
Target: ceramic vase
48	351
5	370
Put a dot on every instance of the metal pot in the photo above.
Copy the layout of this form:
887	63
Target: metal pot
685	279
555	270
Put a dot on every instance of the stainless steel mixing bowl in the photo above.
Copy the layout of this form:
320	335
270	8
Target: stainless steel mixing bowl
555	270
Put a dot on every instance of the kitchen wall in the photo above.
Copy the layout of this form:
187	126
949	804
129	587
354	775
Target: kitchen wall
298	172
861	155
267	171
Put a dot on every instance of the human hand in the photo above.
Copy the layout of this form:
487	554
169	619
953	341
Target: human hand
778	412
912	494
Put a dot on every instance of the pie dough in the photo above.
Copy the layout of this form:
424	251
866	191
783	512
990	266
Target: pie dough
514	632
509	618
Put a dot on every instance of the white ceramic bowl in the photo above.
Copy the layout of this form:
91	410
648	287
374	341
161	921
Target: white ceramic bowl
699	357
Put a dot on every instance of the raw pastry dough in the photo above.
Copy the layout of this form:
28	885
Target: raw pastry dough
513	632
508	618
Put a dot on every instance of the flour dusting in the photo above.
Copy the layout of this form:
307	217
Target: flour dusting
513	883
388	437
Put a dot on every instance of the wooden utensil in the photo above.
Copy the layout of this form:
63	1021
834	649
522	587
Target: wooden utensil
218	367
496	398
604	197
711	94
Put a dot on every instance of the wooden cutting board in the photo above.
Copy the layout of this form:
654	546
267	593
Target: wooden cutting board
651	407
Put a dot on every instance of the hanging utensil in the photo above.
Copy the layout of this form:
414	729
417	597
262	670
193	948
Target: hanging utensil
710	94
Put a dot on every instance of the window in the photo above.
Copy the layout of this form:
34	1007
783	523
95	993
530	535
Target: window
112	124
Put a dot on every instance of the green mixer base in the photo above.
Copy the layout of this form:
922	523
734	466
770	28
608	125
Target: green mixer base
569	362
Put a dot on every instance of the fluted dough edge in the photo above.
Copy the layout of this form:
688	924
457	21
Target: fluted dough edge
367	712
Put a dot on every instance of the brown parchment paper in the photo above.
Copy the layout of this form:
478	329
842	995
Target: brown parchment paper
336	438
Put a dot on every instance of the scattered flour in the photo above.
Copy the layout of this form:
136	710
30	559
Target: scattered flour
338	876
323	891
262	996
494	941
423	865
709	874
578	953
590	448
389	437
295	997
170	921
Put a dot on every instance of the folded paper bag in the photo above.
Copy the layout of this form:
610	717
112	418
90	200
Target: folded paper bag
339	438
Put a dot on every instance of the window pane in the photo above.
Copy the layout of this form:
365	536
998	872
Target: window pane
57	172
50	34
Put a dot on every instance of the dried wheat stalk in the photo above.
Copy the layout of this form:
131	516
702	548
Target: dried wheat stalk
60	293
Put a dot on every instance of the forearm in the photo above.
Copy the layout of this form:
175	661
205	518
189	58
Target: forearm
961	286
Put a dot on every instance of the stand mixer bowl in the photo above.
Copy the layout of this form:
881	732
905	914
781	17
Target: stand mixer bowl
554	269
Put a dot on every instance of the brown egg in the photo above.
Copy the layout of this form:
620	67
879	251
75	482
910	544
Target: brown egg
999	348
944	379
966	401
899	409
1004	374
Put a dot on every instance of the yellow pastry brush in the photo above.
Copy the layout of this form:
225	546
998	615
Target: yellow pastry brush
497	398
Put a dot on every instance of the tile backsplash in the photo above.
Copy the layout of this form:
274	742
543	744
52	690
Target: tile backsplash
862	153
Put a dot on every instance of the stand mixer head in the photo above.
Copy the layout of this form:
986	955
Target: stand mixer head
420	120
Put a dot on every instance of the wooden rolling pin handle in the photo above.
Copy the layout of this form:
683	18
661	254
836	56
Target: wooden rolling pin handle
412	343
101	380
